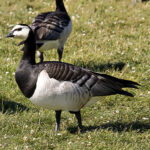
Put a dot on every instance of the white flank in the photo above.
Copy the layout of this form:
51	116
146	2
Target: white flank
59	95
48	44
21	34
94	100
64	35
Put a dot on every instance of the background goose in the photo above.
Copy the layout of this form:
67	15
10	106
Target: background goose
61	86
51	30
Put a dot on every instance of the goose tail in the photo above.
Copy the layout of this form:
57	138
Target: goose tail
108	85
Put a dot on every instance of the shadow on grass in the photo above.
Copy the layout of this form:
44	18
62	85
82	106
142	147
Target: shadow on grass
11	107
116	127
101	67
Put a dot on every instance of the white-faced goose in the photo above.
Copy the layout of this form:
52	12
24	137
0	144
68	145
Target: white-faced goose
51	30
61	86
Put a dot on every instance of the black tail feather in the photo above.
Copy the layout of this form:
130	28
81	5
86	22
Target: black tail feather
108	85
125	83
122	92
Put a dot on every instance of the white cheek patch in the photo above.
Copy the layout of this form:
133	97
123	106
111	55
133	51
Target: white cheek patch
23	34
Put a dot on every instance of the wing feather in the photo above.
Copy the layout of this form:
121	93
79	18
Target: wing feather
49	25
97	84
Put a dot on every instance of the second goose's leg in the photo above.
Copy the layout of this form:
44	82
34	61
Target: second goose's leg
40	55
60	53
58	116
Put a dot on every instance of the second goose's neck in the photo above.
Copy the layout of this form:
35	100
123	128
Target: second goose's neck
60	6
29	49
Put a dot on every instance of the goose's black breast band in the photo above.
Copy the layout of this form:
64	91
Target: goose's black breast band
26	79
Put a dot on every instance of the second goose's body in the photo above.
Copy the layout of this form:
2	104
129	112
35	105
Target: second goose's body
51	30
61	86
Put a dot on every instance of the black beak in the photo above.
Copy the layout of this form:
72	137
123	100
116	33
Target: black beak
9	35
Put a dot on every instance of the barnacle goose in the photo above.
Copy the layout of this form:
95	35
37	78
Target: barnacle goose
51	30
61	86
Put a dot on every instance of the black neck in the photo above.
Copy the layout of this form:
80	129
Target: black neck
29	48
60	6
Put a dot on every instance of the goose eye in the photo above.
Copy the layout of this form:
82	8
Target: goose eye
19	29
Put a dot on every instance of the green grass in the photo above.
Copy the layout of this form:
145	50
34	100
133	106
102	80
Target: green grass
109	36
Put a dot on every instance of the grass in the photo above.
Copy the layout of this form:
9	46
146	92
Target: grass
108	36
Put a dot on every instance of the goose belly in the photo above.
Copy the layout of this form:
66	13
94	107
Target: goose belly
94	100
48	44
59	95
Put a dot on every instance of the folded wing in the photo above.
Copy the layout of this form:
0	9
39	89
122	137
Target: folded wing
98	84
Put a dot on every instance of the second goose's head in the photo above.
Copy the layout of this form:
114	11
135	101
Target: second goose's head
20	31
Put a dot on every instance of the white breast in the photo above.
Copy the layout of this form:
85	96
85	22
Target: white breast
59	95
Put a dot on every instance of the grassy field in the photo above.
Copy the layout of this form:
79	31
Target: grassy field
109	36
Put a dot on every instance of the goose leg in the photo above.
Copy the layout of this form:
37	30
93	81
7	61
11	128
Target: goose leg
58	116
40	55
78	116
60	53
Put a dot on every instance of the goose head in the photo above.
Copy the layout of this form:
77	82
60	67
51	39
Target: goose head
20	31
